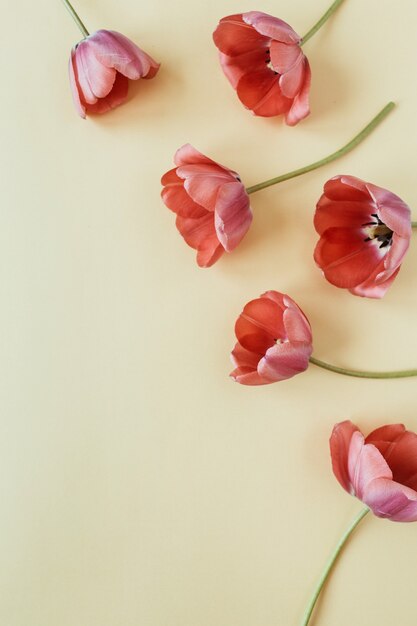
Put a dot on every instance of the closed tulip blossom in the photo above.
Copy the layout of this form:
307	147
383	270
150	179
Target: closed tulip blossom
261	56
262	59
364	235
211	204
274	340
100	68
380	469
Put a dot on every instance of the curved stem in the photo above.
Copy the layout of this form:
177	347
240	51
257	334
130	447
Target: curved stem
321	21
362	373
330	564
332	157
76	18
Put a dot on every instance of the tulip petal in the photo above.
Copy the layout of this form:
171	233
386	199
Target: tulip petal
233	215
392	210
114	99
75	87
366	464
234	37
399	448
271	27
300	107
340	441
114	50
285	360
202	182
96	79
260	92
234	67
389	499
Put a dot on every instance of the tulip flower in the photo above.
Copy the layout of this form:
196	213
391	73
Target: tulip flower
210	200
101	66
364	235
211	204
262	58
274	342
380	470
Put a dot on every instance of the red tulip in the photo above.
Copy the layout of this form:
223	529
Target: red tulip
100	68
211	203
380	470
364	234
274	340
262	59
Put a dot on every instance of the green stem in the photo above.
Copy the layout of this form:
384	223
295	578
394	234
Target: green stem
330	564
321	21
332	157
76	18
363	374
413	224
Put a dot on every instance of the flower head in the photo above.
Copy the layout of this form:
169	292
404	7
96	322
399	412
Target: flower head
364	234
274	340
211	203
380	470
100	68
262	59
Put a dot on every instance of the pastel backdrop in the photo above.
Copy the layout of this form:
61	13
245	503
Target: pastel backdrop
139	484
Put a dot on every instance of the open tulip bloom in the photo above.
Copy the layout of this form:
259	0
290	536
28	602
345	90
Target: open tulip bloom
381	471
262	58
364	235
274	342
211	202
101	66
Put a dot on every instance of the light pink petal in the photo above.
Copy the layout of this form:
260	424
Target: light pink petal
188	155
117	51
366	464
292	82
234	37
233	215
284	360
300	107
114	99
75	88
340	440
371	289
285	56
392	210
389	499
396	252
246	376
203	183
296	324
96	79
260	92
272	27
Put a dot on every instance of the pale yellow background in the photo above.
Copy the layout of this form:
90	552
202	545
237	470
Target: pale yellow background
139	485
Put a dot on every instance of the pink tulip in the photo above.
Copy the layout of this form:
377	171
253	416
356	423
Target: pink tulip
274	340
100	68
364	234
262	59
380	470
211	203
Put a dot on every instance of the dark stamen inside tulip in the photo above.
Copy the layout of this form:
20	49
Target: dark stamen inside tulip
379	231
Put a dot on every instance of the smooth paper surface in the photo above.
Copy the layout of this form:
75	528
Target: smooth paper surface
139	485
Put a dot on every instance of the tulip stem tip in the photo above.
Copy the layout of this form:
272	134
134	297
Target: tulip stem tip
76	18
331	157
321	21
363	373
329	566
